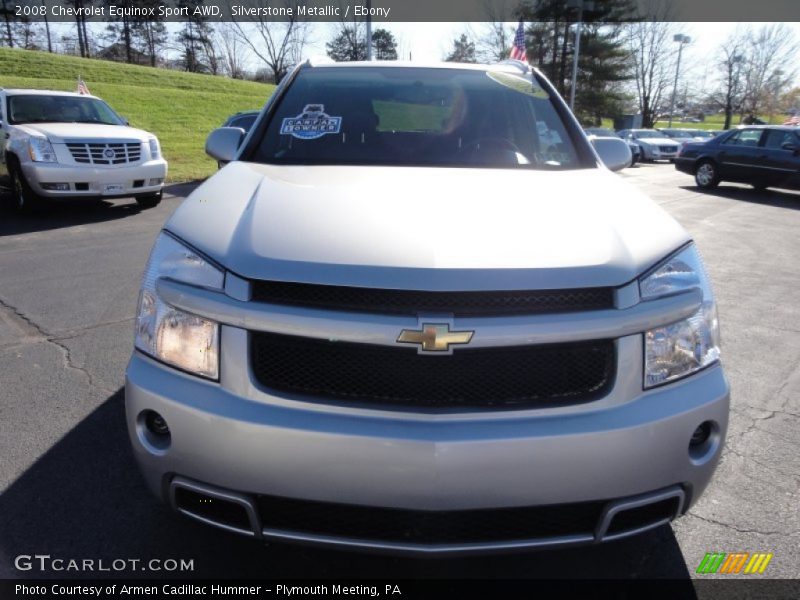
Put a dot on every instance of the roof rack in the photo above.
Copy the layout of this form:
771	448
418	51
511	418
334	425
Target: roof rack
522	66
313	61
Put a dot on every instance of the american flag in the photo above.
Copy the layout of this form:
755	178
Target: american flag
518	49
82	89
795	120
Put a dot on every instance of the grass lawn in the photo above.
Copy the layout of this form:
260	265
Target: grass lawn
180	108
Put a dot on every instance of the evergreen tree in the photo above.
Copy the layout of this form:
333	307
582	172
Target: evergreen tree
349	45
463	50
385	46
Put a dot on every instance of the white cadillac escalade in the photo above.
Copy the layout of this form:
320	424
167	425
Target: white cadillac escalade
62	145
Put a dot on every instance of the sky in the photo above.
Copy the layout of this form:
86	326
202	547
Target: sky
430	42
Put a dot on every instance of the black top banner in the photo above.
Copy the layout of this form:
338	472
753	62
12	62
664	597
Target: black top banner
386	11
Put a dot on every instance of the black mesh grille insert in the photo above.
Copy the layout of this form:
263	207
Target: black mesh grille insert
411	302
428	527
516	376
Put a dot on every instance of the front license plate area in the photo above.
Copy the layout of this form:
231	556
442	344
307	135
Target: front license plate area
114	188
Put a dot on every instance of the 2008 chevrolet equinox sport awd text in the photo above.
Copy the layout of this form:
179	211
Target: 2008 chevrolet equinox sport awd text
417	314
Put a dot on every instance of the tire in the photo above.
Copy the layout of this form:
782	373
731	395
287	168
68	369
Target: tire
150	200
706	175
24	200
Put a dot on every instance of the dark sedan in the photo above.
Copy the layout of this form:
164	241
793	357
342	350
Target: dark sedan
763	156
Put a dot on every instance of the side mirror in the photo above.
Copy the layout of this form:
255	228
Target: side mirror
223	143
790	147
614	152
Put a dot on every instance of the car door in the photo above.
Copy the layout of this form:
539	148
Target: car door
781	158
739	155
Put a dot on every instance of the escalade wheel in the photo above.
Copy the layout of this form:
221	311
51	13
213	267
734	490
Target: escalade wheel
24	199
150	200
706	176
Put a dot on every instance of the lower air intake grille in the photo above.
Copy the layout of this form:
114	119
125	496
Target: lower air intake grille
502	377
431	527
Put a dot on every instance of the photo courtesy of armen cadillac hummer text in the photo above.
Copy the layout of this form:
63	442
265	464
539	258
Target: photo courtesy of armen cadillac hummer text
416	312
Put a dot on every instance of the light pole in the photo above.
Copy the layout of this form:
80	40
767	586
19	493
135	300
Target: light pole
369	29
681	39
580	5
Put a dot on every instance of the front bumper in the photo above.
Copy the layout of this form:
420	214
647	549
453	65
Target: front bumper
242	439
96	182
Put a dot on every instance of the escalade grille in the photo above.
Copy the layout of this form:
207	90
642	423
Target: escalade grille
667	149
105	153
500	377
431	527
411	302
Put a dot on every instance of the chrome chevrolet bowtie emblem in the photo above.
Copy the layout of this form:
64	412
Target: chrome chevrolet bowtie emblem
434	337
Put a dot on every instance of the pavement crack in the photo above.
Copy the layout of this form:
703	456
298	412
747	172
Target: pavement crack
742	530
49	338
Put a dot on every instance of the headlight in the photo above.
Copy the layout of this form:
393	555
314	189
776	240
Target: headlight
41	150
681	348
155	151
180	339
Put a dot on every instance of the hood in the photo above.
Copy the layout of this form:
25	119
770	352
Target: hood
59	132
658	141
426	228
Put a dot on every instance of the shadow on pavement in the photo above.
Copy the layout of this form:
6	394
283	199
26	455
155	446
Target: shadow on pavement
778	199
85	499
78	212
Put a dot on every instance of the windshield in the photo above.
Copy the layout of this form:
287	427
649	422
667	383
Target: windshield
601	132
416	116
640	134
678	134
37	108
702	133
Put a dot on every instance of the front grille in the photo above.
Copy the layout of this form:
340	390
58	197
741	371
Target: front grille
667	149
428	527
500	377
412	302
105	153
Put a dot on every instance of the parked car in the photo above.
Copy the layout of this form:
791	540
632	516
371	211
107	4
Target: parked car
61	146
763	156
636	152
406	319
243	120
654	144
683	135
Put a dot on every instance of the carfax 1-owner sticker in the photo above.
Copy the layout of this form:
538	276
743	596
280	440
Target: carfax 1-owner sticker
311	124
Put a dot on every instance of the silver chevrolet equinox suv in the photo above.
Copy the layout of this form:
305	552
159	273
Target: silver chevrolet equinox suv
417	314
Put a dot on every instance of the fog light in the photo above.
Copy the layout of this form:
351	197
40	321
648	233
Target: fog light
156	181
55	187
156	423
700	435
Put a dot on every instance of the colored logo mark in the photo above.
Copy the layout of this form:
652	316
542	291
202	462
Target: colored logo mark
734	563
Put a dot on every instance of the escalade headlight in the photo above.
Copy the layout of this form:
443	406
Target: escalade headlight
155	150
679	349
175	337
41	150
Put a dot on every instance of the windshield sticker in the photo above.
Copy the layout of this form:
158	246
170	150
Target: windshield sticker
311	124
526	86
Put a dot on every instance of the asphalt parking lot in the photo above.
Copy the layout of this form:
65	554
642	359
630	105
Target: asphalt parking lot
68	288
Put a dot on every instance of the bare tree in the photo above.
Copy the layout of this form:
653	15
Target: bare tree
278	44
769	68
493	41
650	46
231	48
731	57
